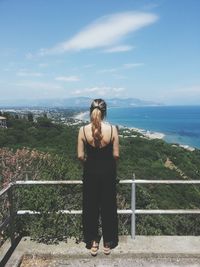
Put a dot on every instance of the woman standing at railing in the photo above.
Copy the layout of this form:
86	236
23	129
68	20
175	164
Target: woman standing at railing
101	143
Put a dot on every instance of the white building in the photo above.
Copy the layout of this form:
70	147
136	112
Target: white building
3	122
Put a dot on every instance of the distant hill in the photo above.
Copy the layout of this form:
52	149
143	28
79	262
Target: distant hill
80	102
130	102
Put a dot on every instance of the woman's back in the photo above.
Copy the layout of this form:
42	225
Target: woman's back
106	131
109	142
105	150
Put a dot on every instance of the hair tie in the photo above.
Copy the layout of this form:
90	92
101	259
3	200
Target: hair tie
96	107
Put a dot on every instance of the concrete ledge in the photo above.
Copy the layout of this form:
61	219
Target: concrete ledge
142	247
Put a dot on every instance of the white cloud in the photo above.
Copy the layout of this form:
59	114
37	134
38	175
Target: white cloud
107	70
118	89
68	78
132	65
27	73
38	85
107	91
106	32
119	76
150	6
87	66
43	65
29	55
124	66
120	48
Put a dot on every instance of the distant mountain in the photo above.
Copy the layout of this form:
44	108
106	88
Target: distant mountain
73	102
130	102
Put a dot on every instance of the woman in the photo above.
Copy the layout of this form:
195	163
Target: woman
101	143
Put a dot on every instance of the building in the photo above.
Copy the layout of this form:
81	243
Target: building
3	122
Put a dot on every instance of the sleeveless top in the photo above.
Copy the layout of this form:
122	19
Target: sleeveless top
99	159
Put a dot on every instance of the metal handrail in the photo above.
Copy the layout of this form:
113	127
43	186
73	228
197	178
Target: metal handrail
5	190
21	212
166	181
31	182
157	211
8	189
133	211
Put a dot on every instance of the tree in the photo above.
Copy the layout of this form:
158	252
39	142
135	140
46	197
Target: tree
44	122
30	116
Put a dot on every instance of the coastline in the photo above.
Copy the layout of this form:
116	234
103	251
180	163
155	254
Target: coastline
146	133
84	117
81	116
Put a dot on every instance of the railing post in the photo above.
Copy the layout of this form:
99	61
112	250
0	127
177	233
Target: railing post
133	199
11	212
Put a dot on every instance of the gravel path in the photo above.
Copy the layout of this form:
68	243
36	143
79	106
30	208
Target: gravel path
100	261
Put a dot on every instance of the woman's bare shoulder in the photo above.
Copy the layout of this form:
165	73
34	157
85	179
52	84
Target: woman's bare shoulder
107	124
113	126
87	126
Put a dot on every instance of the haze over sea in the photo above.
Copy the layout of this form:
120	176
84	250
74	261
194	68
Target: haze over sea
180	124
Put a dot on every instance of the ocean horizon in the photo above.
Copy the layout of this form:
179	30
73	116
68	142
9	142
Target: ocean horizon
178	124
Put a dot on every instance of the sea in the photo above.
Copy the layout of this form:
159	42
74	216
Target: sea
178	124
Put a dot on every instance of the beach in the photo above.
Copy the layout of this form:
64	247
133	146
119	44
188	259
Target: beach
81	116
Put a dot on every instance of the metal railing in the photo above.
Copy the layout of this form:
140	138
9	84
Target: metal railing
10	219
133	211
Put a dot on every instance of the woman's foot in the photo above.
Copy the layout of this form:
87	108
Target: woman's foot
94	248
106	249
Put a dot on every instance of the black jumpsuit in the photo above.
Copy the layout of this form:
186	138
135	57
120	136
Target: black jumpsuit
99	194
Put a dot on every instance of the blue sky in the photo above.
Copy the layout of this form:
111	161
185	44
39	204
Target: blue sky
132	48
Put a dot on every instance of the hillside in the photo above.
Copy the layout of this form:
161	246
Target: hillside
45	150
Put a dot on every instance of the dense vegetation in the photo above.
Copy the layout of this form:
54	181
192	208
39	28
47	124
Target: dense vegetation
42	150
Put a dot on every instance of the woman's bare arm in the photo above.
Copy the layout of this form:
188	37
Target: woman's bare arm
80	146
115	143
